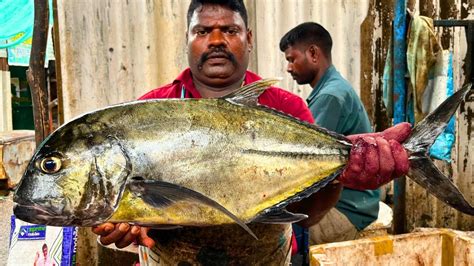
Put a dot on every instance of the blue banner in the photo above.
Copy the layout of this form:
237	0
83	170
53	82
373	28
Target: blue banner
69	246
32	232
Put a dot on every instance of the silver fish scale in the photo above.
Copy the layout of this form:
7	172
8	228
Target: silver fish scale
211	146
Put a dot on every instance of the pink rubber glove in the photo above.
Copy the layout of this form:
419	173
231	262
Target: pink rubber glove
376	158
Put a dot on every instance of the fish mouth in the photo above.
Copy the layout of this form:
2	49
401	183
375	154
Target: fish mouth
35	214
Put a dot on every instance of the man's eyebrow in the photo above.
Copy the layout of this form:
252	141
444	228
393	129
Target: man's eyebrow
201	26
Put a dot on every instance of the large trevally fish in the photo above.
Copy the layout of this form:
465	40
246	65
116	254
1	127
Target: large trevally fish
199	162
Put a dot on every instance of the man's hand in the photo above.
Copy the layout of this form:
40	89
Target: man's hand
123	234
376	158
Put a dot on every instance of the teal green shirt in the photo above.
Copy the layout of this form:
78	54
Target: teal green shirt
336	106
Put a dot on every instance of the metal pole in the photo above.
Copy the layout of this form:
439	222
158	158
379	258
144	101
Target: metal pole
399	95
36	73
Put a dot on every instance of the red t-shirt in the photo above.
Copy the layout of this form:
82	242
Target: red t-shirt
273	97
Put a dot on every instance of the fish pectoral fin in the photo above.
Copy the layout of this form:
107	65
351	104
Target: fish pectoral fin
159	194
248	95
280	216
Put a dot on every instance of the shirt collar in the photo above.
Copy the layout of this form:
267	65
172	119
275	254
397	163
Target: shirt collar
321	83
185	79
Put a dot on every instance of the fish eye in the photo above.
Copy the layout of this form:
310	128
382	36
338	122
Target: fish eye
50	165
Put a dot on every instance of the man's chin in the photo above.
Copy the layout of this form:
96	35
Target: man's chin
299	81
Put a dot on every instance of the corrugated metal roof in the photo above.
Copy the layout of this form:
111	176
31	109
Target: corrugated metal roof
114	51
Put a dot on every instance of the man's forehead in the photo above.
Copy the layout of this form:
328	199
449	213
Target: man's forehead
212	14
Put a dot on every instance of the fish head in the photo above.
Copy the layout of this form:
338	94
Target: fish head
76	177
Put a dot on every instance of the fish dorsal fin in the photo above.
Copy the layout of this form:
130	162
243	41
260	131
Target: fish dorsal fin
159	194
248	94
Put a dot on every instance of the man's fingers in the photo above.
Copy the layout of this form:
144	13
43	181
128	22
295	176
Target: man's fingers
371	158
129	237
355	165
120	231
387	163
399	132
376	158
356	160
103	229
144	239
402	164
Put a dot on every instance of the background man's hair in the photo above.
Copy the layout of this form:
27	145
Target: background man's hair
308	33
44	246
234	5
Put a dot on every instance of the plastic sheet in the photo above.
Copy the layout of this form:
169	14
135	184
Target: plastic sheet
441	87
16	21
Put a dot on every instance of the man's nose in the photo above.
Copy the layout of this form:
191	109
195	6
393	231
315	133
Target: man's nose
289	68
216	38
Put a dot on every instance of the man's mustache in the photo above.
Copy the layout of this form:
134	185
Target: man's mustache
205	56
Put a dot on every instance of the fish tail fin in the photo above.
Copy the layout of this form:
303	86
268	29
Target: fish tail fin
422	169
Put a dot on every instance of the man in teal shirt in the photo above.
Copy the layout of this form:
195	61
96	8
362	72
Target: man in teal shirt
335	106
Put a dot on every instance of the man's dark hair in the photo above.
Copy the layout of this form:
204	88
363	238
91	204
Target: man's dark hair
234	5
44	246
308	33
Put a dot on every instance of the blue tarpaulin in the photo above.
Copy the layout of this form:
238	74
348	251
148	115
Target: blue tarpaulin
16	21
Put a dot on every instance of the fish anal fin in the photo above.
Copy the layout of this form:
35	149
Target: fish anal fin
279	216
160	194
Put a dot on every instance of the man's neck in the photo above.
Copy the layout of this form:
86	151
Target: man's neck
207	91
322	70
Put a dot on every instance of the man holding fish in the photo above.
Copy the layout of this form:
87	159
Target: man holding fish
219	43
335	106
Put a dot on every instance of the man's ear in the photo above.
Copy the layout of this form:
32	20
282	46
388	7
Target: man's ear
249	39
314	52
